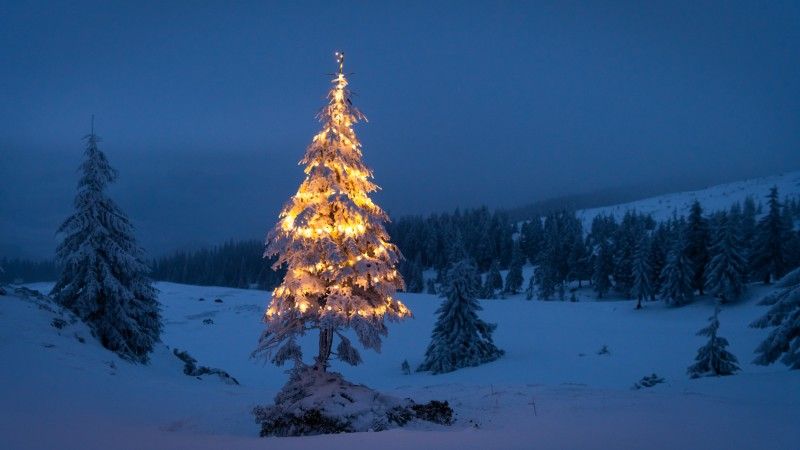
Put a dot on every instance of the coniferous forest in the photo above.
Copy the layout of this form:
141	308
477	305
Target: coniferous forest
719	252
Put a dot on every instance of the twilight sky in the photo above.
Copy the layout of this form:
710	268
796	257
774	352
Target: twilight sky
205	107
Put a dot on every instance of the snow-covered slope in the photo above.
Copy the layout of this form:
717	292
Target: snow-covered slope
551	390
713	198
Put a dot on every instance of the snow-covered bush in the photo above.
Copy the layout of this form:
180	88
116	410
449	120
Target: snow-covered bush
191	368
648	381
321	402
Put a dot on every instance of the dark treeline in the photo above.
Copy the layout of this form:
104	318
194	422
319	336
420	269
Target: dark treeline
26	271
630	257
484	236
235	264
637	257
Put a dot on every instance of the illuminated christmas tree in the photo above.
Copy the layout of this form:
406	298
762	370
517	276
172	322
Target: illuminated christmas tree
341	267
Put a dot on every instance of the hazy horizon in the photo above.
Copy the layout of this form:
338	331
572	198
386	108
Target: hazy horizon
205	110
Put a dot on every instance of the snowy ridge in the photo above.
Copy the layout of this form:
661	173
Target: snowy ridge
712	199
553	388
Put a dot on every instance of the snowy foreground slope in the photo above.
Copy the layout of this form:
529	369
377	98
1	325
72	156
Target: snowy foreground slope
712	199
550	391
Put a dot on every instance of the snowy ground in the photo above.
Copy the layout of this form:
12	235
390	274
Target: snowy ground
550	391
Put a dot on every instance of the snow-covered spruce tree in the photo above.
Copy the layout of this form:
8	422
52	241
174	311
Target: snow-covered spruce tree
713	358
676	285
768	259
104	278
725	275
460	338
340	274
642	284
784	316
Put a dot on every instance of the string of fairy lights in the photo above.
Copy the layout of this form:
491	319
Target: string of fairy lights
332	210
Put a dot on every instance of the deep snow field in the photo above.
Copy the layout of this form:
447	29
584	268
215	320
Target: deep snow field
552	390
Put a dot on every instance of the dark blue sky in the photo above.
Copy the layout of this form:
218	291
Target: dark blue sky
205	107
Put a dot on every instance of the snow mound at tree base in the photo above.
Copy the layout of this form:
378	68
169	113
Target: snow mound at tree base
318	402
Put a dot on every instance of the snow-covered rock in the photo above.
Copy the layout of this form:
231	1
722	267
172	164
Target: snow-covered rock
319	402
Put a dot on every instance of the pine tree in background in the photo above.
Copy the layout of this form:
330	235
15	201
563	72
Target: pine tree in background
578	261
725	276
460	338
412	273
784	316
659	248
430	287
514	277
713	358
603	268
532	237
531	289
625	240
340	264
768	259
791	244
104	278
747	231
642	285
676	287
697	239
494	280
600	241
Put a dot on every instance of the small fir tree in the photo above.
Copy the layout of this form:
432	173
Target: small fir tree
713	358
460	338
104	279
784	317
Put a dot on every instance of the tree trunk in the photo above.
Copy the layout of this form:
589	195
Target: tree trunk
325	344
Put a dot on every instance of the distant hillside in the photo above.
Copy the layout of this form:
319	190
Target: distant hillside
646	198
713	198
